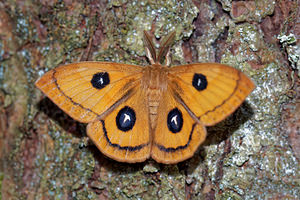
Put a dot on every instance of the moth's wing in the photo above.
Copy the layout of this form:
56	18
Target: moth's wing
177	135
124	134
211	91
85	90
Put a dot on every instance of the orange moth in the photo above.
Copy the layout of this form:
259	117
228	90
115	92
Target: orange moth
156	111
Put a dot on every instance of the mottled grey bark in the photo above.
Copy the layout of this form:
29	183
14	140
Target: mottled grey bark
254	154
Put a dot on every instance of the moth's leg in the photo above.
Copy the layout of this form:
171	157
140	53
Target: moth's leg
149	56
168	58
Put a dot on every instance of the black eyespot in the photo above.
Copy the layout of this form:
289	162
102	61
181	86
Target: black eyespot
125	119
199	82
100	80
175	120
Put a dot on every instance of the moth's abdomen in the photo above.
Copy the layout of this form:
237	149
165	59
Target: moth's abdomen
154	97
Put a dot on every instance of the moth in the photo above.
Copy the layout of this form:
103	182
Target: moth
134	112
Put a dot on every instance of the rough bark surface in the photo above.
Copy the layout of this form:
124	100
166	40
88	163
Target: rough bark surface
254	154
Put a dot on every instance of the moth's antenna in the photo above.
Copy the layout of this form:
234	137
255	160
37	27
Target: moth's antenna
150	49
165	47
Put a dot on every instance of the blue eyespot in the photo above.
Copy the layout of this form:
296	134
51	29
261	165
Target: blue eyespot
100	80
175	120
125	119
199	82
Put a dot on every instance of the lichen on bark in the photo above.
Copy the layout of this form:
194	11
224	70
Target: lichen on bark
254	154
